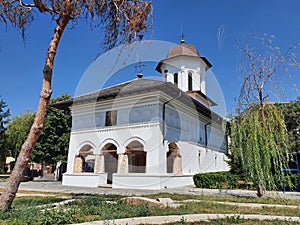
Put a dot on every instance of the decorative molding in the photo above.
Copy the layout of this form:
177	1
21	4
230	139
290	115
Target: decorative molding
209	147
118	127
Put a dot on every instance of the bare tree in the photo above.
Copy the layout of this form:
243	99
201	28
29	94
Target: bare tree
263	68
122	21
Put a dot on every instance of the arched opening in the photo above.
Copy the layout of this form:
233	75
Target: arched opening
176	79
190	81
110	160
136	157
171	154
85	161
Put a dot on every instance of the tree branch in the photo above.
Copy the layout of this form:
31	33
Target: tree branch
26	5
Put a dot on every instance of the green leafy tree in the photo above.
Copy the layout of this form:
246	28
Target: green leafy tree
121	21
53	143
291	112
17	131
258	132
4	119
259	146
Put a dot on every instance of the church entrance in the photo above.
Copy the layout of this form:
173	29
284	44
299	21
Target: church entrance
110	161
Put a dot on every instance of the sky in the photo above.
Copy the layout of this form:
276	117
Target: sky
212	26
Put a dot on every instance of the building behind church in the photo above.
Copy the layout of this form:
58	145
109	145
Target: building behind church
148	134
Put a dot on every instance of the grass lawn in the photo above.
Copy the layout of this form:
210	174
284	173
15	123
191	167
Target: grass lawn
104	207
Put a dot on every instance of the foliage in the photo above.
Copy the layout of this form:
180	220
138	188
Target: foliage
53	143
17	131
25	211
259	145
290	182
4	119
121	21
291	112
216	180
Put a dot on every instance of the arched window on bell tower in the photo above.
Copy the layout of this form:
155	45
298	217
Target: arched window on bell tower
176	79
190	81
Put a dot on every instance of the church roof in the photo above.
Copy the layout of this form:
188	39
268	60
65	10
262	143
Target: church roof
183	49
138	86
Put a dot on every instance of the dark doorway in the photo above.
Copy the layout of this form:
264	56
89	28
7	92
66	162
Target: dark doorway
110	161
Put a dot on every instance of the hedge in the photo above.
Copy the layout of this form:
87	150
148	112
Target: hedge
227	180
224	180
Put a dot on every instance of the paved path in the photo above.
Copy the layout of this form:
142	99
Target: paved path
187	218
48	185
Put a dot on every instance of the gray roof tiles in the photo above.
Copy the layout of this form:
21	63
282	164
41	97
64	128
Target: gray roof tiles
134	87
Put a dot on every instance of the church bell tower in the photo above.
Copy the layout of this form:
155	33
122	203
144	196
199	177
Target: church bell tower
185	68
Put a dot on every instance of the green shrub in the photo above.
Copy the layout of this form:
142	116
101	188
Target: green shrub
216	180
60	216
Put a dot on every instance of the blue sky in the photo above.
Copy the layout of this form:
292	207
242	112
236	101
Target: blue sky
21	65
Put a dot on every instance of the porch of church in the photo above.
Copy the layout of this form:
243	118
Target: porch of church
136	166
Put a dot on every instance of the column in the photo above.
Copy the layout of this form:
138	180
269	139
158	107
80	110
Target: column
99	164
177	165
122	163
78	164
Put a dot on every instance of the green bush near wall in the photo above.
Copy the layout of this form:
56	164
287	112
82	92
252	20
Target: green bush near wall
224	180
228	180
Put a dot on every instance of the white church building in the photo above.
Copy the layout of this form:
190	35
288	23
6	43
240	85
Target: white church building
147	134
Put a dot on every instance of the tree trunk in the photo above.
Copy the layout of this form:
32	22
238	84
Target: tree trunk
13	183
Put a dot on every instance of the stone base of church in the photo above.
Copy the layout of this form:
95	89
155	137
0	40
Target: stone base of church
150	181
84	179
128	180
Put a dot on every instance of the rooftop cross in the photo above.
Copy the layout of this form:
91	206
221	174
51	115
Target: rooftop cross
139	65
182	38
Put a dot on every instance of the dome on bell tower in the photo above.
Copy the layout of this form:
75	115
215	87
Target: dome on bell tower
183	49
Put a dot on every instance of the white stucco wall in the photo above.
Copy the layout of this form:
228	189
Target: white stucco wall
84	179
151	181
187	126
